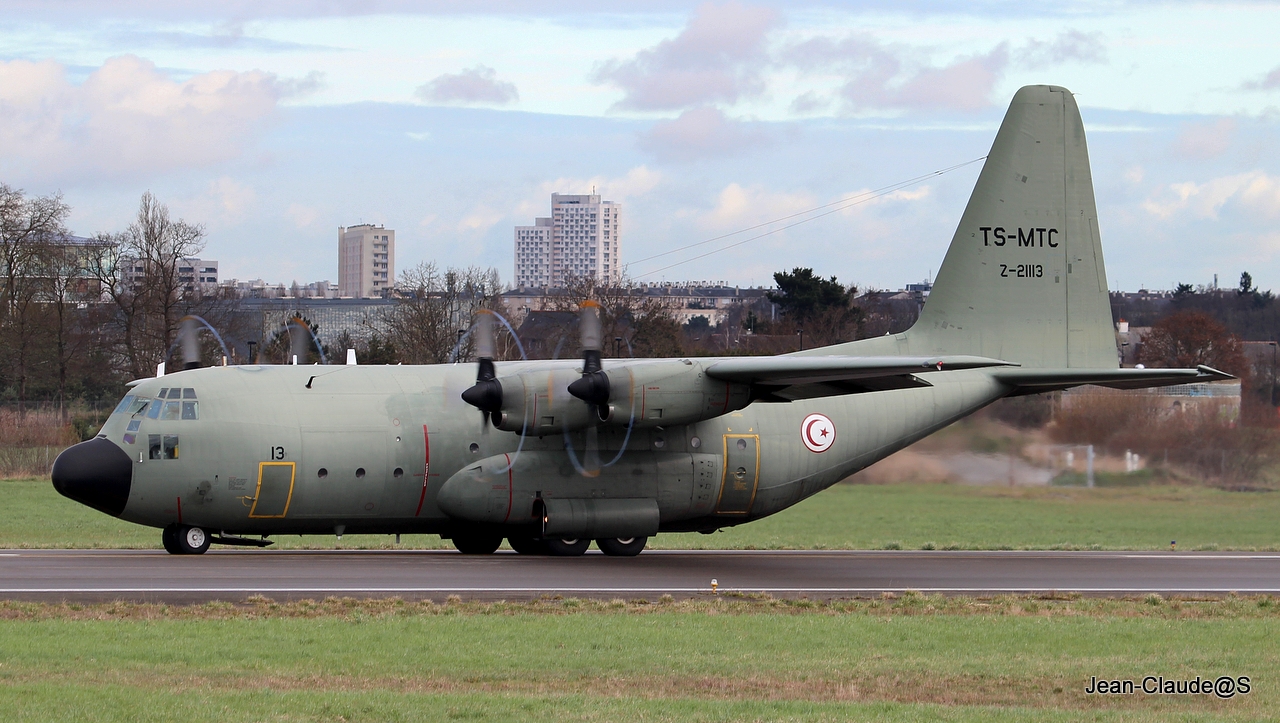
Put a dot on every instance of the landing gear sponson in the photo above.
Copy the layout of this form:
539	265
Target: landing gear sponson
486	543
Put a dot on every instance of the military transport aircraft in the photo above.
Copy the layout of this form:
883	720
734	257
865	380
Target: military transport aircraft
551	455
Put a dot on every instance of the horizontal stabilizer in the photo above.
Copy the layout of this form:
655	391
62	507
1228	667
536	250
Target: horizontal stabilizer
1033	381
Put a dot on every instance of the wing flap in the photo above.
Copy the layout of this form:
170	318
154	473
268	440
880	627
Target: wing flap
788	378
792	370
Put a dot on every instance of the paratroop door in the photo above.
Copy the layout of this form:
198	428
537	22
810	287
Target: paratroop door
741	473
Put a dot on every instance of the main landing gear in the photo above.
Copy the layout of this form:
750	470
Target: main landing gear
185	540
612	546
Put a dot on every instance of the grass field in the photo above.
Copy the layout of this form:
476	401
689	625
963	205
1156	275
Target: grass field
903	659
847	516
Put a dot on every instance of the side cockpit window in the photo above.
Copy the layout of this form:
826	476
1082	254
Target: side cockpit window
124	404
162	446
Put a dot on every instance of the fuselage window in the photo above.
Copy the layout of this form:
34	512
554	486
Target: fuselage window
189	410
170	446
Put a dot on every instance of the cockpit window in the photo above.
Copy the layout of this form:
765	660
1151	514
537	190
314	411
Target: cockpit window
172	410
124	404
166	405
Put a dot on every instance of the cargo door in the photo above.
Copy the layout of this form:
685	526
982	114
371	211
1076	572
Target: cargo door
741	474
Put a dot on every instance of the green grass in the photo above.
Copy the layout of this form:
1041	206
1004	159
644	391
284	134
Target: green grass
911	658
844	517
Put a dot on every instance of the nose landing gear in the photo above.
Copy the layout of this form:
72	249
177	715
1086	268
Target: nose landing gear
185	540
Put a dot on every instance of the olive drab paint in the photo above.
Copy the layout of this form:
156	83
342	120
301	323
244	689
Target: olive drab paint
1019	306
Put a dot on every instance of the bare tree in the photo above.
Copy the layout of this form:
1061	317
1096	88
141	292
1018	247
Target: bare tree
138	271
29	228
434	306
645	325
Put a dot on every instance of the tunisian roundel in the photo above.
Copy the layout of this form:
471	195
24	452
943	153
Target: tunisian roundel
817	432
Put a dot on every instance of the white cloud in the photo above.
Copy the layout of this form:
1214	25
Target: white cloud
126	120
1269	81
738	206
696	134
223	202
302	216
481	218
1205	140
718	57
1069	46
473	86
1256	193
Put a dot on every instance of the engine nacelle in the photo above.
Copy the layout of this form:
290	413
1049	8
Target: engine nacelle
669	392
641	393
539	403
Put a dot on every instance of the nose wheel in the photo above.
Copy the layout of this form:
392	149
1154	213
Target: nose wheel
185	540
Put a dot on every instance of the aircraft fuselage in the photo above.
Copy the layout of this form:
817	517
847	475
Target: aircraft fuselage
367	449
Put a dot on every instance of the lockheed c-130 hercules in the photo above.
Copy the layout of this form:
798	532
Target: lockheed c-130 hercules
551	455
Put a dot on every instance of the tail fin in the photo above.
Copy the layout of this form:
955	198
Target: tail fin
1023	279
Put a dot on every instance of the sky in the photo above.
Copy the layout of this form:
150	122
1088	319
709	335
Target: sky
274	123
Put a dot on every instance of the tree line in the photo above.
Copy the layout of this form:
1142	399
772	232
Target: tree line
81	316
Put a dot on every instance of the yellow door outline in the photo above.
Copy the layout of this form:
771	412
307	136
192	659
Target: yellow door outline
293	473
724	478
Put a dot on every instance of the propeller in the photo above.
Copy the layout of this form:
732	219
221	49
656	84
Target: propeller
187	332
486	393
298	346
593	386
188	337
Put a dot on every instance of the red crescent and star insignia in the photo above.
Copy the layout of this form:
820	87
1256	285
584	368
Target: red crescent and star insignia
817	432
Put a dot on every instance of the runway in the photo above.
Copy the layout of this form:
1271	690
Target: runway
144	575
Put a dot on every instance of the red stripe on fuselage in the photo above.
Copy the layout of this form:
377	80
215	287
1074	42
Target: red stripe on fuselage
510	486
426	468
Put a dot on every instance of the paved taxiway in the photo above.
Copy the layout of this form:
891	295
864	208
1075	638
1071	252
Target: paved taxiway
88	575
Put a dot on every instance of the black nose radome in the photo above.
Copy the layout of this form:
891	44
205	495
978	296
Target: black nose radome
96	473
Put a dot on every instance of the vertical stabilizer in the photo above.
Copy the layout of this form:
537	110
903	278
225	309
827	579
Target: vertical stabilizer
1023	279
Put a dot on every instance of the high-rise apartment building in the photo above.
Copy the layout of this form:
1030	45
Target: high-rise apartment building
366	261
581	238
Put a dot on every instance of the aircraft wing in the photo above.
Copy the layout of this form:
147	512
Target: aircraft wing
787	378
1034	381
